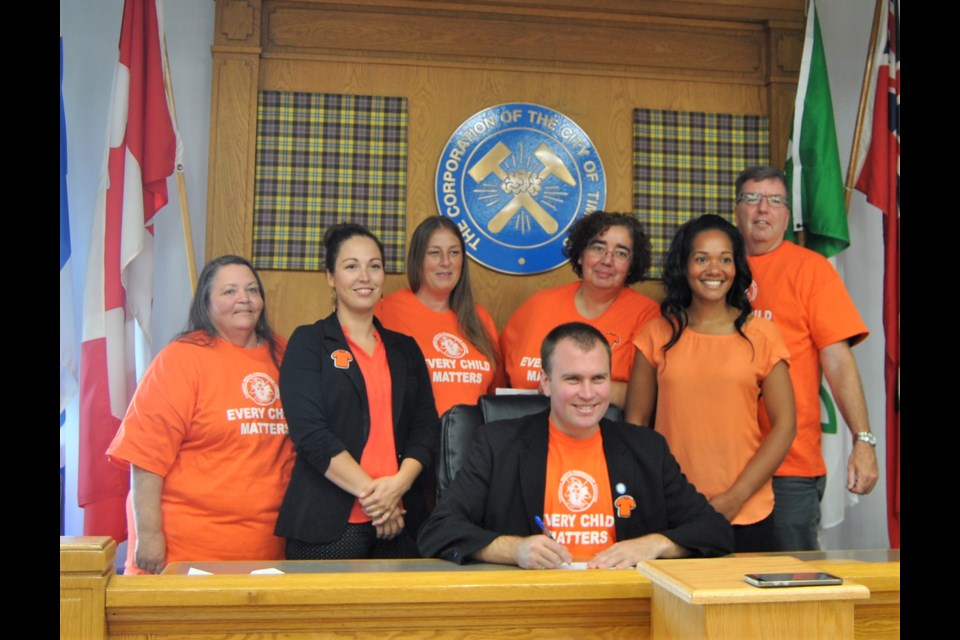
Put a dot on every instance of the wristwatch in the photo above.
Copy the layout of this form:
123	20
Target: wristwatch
866	436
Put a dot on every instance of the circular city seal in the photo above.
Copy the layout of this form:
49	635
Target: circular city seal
515	178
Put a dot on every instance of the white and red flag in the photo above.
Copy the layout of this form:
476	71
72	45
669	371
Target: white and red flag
878	176
142	151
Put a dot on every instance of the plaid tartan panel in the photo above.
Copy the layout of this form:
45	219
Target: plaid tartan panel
322	159
685	164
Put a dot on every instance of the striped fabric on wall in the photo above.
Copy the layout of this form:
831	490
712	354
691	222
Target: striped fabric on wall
685	164
322	159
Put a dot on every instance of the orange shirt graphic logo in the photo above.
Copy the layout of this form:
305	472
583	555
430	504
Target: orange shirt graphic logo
341	358
450	345
260	388
624	505
578	491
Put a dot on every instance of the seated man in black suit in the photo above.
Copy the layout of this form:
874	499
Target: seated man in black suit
567	485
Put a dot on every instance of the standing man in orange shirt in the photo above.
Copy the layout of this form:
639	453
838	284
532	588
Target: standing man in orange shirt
567	485
805	298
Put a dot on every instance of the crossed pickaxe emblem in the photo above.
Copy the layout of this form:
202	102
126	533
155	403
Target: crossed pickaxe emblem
523	184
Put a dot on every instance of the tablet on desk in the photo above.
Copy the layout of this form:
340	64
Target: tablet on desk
808	579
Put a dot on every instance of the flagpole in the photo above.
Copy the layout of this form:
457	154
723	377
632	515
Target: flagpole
868	73
181	181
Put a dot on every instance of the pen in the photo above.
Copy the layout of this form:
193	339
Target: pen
547	532
543	527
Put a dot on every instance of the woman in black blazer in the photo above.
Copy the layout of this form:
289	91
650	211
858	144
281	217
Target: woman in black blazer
361	413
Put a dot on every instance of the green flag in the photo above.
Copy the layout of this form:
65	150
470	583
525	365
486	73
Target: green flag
819	208
813	161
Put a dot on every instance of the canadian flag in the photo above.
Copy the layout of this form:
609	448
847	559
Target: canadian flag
142	151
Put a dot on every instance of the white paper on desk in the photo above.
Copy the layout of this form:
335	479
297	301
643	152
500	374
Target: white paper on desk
576	566
269	571
508	391
193	571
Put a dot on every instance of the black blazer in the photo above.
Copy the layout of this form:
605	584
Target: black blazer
501	488
327	411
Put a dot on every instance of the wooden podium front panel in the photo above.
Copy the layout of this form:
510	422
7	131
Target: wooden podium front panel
674	619
709	599
442	604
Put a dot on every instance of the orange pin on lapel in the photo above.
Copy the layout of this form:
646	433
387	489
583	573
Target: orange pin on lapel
341	358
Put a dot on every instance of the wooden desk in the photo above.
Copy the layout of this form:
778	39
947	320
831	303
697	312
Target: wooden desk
420	598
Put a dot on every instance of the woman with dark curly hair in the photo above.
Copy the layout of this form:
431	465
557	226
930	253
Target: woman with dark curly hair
608	252
703	368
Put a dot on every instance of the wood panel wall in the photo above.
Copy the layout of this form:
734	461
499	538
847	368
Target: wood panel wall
595	64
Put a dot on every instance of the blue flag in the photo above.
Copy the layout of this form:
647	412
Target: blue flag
68	346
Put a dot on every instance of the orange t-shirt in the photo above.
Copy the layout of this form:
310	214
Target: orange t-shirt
379	457
800	292
208	419
459	372
707	392
544	310
578	503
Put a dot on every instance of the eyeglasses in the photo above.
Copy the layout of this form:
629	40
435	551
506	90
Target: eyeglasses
600	251
774	199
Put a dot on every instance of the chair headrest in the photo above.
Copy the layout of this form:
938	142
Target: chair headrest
505	407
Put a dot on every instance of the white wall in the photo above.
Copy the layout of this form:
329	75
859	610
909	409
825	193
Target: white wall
90	29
